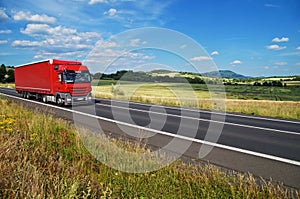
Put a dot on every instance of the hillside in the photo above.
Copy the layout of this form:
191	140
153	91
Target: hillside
225	74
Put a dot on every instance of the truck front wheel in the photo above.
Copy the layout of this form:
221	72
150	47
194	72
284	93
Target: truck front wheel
59	101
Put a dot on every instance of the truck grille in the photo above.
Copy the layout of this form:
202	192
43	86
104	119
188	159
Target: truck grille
78	92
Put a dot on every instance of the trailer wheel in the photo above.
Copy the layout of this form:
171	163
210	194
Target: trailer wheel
59	101
44	98
27	95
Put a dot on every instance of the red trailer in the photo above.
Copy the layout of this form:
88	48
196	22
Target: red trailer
59	81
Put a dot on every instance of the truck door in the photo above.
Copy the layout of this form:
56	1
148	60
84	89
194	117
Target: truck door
59	81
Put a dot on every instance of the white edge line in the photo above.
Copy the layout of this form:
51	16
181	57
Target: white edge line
257	154
206	120
200	110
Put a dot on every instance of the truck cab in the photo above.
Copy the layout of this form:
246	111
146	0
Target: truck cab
73	84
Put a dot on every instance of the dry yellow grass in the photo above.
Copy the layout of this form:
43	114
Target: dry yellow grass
280	109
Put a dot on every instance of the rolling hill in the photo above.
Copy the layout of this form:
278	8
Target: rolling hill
224	74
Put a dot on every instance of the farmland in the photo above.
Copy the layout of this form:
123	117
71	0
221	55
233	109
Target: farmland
280	102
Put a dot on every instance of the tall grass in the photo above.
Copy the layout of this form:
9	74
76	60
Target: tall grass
43	157
6	85
271	108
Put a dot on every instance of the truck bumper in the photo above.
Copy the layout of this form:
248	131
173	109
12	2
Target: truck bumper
71	100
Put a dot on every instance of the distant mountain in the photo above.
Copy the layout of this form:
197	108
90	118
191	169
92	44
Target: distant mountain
225	74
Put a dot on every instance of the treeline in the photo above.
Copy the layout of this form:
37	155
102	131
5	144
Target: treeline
7	74
146	77
296	78
270	83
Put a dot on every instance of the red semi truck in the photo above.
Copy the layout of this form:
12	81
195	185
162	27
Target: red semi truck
59	81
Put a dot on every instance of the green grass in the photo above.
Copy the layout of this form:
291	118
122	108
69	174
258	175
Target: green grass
43	157
6	85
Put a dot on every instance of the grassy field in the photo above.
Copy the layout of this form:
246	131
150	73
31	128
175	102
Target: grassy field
283	102
43	157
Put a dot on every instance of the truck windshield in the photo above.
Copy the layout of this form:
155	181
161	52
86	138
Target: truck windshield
71	76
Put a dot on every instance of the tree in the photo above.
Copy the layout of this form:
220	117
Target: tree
11	76
2	73
266	84
257	84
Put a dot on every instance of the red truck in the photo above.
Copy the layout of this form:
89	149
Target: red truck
59	81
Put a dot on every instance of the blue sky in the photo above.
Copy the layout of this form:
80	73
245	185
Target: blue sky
251	37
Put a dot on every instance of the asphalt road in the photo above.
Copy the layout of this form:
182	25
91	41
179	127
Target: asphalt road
267	147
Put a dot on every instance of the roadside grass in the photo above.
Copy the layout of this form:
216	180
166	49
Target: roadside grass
7	85
43	157
283	102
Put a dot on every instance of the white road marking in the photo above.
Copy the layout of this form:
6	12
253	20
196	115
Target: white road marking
205	120
244	151
211	112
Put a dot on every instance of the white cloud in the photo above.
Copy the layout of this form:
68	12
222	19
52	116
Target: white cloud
27	16
214	53
278	40
297	64
201	58
117	57
3	41
296	53
281	63
298	48
3	16
27	43
91	2
59	55
106	44
5	31
275	47
56	40
44	29
139	13
236	62
36	29
111	12
135	42
183	46
148	57
271	5
266	67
